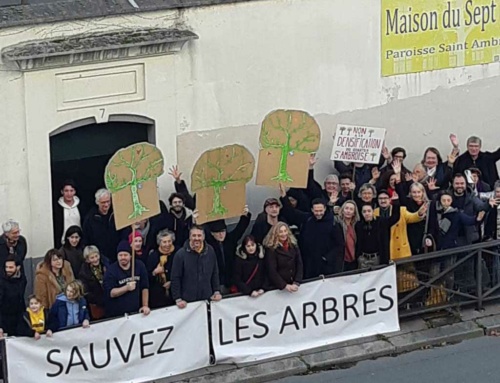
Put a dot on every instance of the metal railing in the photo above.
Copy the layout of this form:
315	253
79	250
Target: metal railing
448	279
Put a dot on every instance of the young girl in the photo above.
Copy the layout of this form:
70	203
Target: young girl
35	320
72	250
248	269
70	308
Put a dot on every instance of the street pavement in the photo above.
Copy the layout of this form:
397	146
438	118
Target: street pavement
473	361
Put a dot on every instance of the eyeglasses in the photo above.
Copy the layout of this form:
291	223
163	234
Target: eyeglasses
401	157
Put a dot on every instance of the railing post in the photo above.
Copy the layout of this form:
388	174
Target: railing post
479	279
3	351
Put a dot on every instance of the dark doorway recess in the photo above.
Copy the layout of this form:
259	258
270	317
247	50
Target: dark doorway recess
81	154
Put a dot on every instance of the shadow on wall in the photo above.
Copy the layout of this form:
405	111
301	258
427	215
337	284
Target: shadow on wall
413	123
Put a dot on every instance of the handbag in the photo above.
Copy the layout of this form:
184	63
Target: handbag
234	289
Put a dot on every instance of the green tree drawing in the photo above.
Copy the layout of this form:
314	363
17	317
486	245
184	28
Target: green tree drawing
290	131
219	167
130	168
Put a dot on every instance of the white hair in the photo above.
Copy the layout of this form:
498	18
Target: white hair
101	193
89	250
10	225
165	233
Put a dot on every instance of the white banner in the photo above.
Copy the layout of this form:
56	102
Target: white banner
129	349
324	312
361	144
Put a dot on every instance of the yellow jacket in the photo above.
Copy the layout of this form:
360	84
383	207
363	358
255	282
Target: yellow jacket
399	245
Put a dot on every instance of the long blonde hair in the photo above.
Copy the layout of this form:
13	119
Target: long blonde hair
419	186
272	239
355	218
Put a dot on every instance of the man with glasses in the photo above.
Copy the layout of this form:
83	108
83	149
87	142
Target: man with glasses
398	154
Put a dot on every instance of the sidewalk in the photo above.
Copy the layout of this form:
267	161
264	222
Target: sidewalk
432	330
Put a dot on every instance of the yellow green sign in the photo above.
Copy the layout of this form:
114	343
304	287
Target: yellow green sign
424	35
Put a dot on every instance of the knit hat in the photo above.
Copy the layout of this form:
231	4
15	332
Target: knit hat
217	226
123	246
137	234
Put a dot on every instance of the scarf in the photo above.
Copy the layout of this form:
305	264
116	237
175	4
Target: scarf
37	320
285	245
350	244
97	272
162	277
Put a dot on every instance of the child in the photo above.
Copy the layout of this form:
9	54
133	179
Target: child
35	320
70	308
249	273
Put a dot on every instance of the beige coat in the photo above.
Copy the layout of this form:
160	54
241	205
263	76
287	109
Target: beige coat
46	286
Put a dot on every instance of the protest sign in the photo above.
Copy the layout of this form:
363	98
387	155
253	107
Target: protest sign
360	144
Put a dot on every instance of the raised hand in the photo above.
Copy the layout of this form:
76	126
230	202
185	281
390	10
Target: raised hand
431	184
395	196
408	177
386	154
282	189
246	210
196	215
334	197
312	160
423	210
396	165
375	173
452	157
175	173
454	140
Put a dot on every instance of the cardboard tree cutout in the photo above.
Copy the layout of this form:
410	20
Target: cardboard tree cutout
219	178
131	178
287	139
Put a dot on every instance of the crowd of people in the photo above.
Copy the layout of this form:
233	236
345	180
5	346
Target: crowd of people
363	215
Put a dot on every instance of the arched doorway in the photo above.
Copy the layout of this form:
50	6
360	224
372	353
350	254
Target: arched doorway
81	151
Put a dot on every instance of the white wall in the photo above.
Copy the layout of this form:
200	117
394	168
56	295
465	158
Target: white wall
322	56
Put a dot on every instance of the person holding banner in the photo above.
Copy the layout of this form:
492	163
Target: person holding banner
283	259
249	268
125	293
195	275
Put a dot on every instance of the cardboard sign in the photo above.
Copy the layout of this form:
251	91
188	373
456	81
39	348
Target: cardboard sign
360	144
287	139
130	176
219	179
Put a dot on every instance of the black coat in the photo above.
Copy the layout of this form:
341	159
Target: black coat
58	221
486	162
157	293
261	227
226	251
245	266
321	241
99	230
74	256
178	225
284	267
12	303
490	226
189	201
19	251
195	277
94	290
375	236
